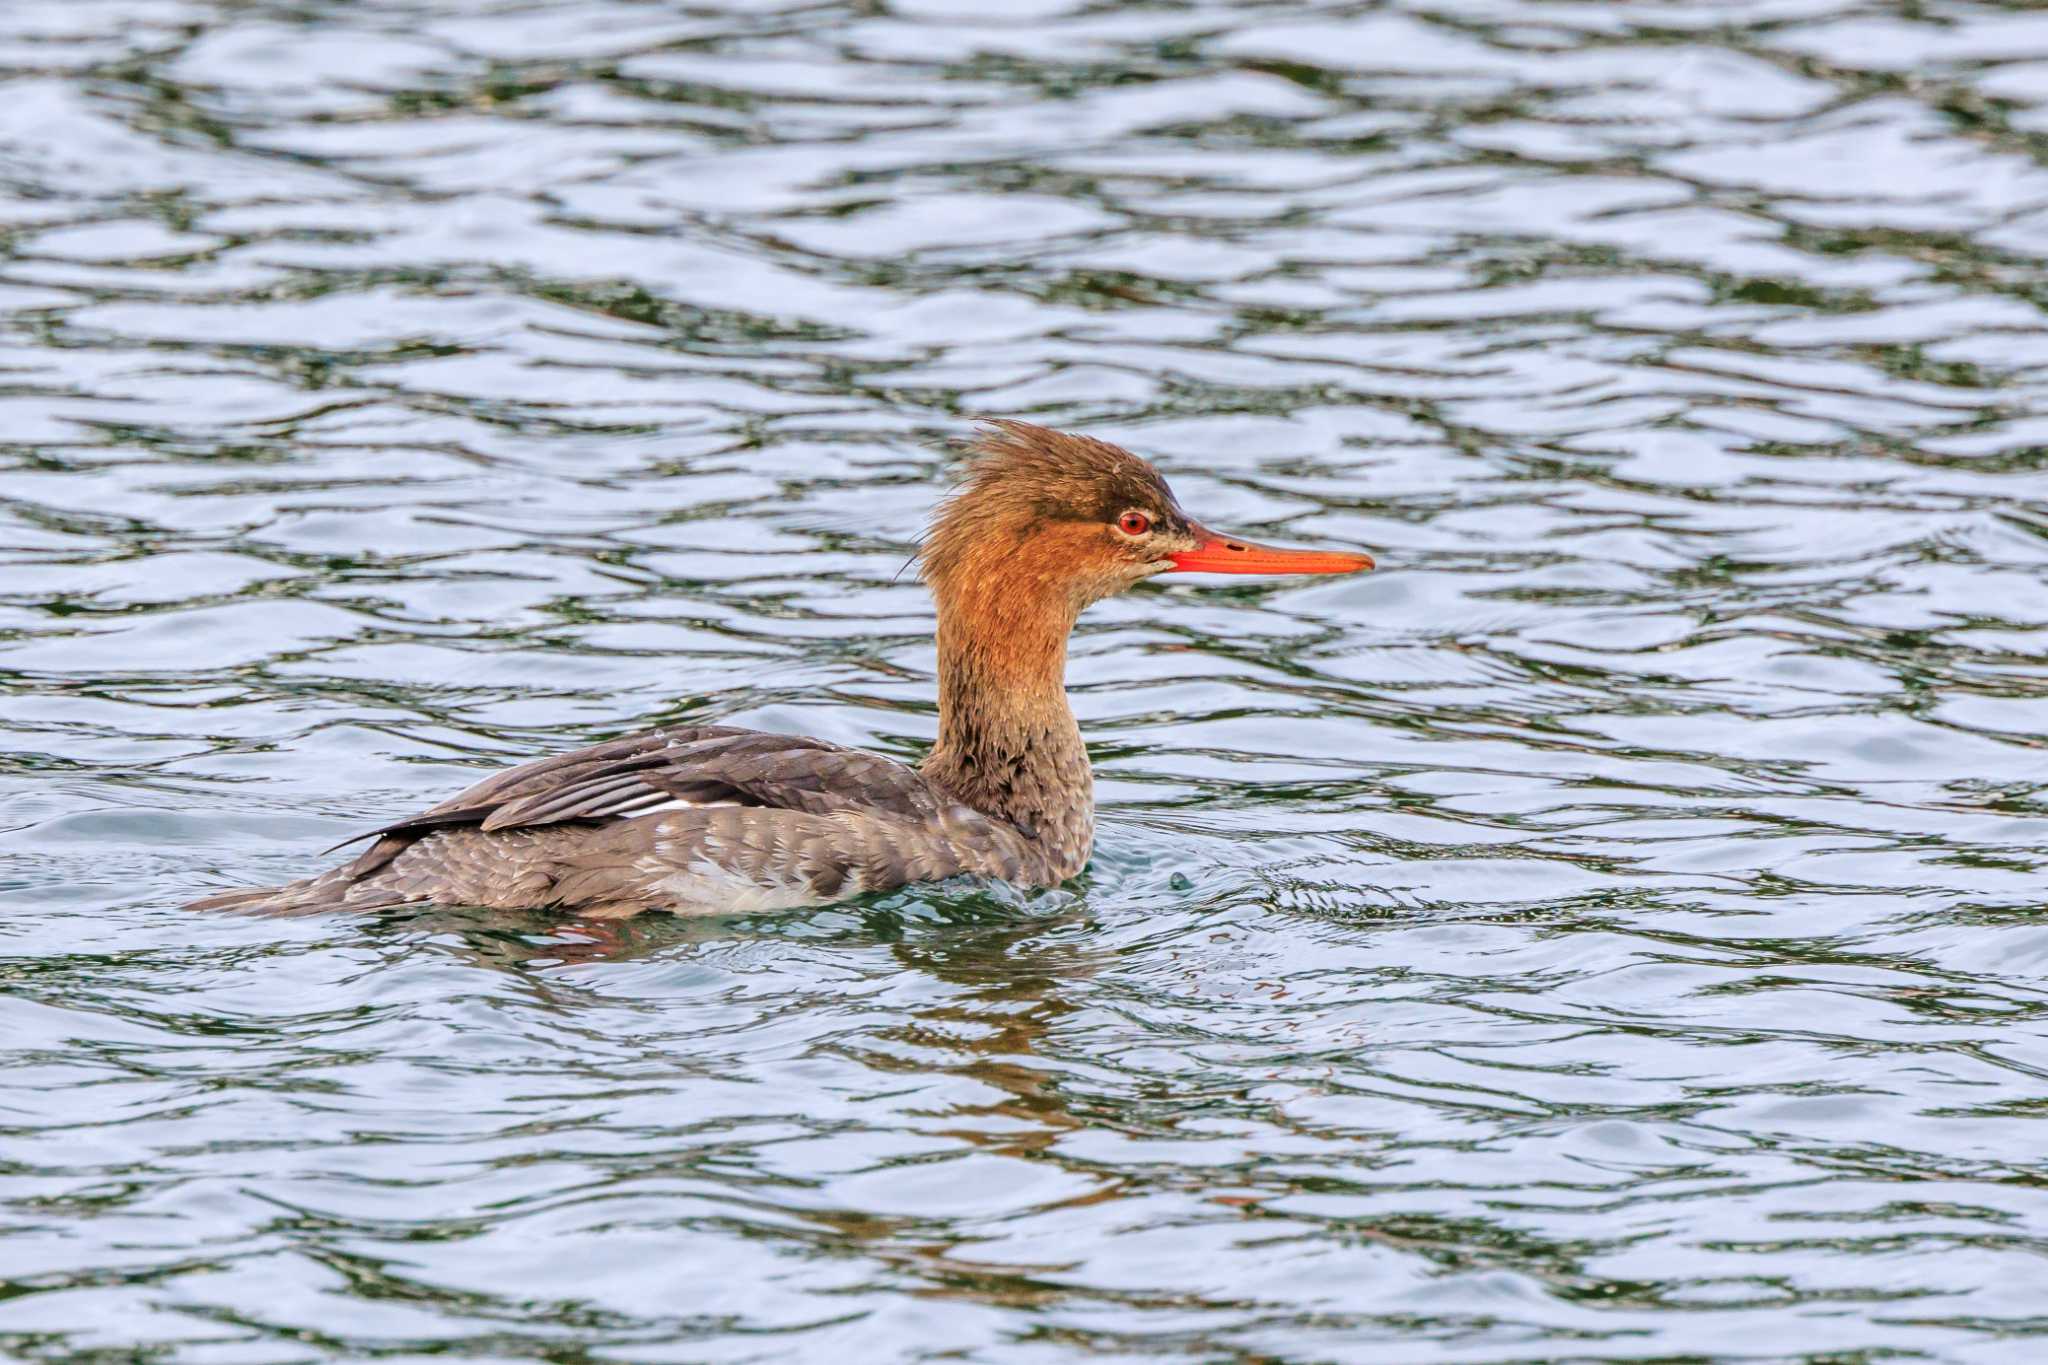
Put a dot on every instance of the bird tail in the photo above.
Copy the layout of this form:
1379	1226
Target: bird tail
308	896
253	899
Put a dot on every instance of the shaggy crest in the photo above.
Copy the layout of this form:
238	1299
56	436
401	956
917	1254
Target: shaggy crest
1019	478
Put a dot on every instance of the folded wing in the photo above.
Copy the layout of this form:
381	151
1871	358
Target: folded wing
672	769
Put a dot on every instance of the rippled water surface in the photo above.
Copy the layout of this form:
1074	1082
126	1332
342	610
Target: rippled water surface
1614	930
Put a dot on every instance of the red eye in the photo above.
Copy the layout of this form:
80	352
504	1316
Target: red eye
1134	523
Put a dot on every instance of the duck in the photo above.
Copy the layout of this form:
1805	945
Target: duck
721	820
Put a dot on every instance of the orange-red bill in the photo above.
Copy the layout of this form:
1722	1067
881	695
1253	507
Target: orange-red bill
1228	554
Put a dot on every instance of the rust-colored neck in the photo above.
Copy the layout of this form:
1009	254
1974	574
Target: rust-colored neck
1008	745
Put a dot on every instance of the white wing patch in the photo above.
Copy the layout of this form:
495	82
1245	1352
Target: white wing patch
705	888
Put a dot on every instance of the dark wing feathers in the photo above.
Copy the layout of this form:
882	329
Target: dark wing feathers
698	765
598	796
807	775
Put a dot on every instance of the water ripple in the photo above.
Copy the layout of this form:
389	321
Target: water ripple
1608	932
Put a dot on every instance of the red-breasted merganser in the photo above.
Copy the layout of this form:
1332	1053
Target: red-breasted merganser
711	819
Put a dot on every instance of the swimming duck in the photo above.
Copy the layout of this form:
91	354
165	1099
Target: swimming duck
714	819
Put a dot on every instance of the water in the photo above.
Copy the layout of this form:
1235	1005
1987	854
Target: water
1612	931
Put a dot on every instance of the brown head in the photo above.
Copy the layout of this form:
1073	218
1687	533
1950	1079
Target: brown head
1043	524
1058	521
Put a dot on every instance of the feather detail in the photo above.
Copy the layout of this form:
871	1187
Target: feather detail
700	819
